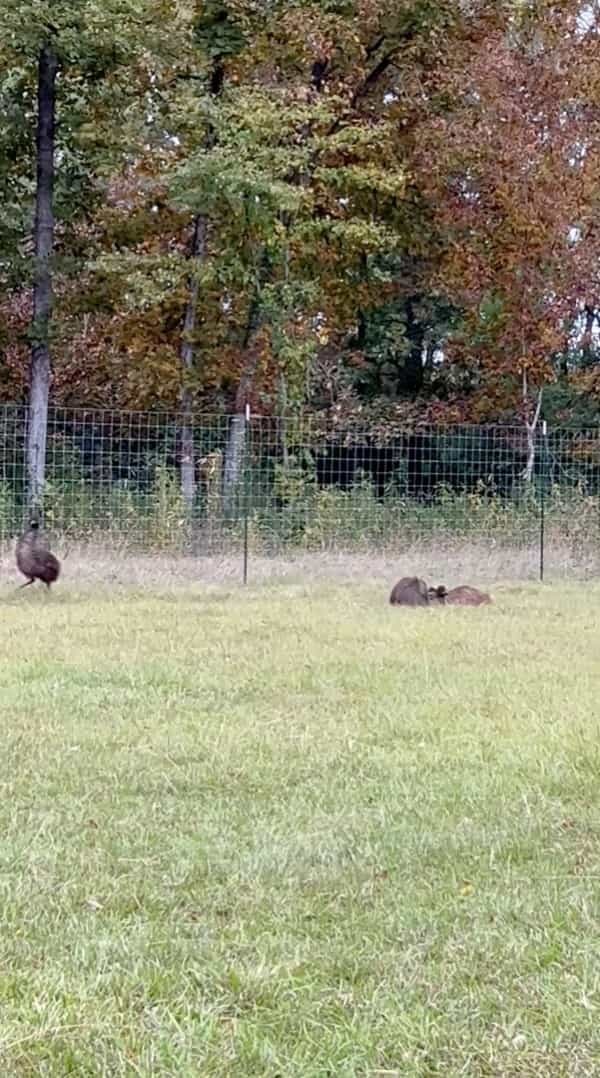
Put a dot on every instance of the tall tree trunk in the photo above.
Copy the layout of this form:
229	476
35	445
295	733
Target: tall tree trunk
413	370
197	255
234	451
429	356
531	427
282	405
188	469
39	386
587	340
236	437
234	459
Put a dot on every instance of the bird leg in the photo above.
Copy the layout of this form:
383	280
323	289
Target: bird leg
26	584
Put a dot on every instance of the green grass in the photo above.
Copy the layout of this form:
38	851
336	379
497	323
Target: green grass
295	832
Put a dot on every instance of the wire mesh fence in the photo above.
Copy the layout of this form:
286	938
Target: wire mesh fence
223	484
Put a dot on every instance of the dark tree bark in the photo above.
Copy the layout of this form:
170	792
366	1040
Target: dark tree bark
197	255
531	422
39	385
413	370
236	438
587	341
188	469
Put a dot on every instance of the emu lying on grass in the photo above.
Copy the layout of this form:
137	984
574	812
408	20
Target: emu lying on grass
34	559
412	591
467	596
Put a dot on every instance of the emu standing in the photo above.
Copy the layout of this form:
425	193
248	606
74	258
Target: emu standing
34	559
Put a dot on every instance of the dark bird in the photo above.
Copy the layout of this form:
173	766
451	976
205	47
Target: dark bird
34	559
412	591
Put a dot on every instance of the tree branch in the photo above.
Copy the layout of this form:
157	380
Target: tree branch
373	76
367	84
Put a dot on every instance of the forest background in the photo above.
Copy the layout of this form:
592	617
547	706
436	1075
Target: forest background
376	212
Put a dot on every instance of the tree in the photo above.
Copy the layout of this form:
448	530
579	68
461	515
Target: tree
307	165
300	185
43	236
512	172
80	44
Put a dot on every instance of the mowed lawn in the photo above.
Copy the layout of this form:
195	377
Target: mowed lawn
292	831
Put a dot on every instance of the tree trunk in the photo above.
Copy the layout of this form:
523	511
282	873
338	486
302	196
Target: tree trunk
531	427
413	371
282	399
429	356
236	437
197	255
188	468
39	385
234	460
234	451
587	341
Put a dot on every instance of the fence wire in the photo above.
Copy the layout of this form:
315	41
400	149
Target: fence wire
216	483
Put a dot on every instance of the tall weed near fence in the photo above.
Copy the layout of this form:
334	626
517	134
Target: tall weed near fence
280	487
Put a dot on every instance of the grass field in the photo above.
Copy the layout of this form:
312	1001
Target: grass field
291	831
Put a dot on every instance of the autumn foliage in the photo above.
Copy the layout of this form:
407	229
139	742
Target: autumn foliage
398	207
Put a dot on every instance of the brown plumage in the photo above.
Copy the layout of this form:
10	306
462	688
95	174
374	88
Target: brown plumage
412	591
467	596
34	559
